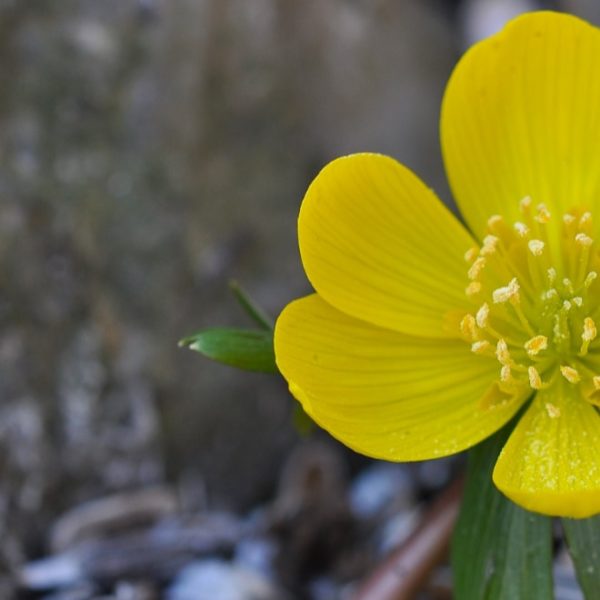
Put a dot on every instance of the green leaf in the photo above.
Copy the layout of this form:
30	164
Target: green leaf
252	309
583	539
499	550
242	348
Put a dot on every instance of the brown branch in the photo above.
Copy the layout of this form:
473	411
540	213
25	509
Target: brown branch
406	570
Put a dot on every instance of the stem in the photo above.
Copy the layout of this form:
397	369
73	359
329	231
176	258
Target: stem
408	567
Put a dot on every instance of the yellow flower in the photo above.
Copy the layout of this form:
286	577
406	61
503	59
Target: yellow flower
422	338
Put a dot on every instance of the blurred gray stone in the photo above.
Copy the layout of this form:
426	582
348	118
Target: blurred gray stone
211	579
256	554
380	485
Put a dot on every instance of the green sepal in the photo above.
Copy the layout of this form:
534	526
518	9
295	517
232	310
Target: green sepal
251	350
583	540
255	312
499	550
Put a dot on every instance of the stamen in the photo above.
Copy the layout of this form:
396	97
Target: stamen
589	330
586	220
551	275
489	245
482	315
584	240
494	220
476	268
548	294
509	292
536	247
591	276
502	353
568	286
471	254
570	374
543	215
521	229
481	347
525	203
552	410
468	327
535	381
473	288
588	335
536	344
578	301
568	219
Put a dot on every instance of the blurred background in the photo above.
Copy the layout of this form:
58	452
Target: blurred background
152	150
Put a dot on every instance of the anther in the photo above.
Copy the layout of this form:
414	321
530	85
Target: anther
577	300
567	305
568	285
476	268
588	335
505	374
568	219
468	327
585	220
473	288
589	330
596	381
536	247
590	278
471	254
535	381
551	275
489	245
552	410
482	315
536	344
543	215
525	203
508	292
521	229
494	220
502	353
584	240
570	374
481	347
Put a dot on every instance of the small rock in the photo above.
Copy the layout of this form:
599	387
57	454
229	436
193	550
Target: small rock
396	530
112	514
212	579
128	590
378	486
85	591
323	588
256	554
61	571
435	474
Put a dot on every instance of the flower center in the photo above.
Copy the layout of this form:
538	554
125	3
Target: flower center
531	283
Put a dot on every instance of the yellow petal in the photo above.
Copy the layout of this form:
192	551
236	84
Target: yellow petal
551	462
378	245
520	118
383	393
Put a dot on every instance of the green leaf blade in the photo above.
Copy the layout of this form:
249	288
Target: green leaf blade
250	350
583	540
499	550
